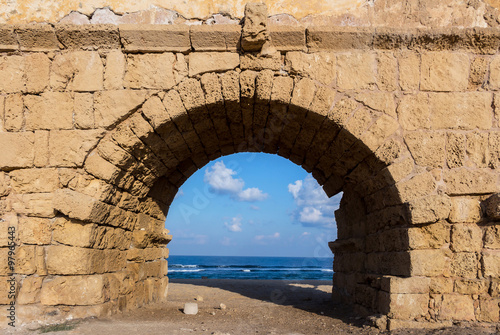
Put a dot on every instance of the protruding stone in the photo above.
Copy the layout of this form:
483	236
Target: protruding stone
492	206
254	33
190	308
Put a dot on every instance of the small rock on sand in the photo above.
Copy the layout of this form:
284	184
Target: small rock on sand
191	308
222	306
198	298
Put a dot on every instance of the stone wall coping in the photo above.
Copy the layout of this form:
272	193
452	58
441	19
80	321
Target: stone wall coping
185	38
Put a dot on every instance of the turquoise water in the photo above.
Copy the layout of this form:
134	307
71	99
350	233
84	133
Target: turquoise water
234	267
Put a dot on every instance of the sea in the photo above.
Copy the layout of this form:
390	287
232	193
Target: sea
235	267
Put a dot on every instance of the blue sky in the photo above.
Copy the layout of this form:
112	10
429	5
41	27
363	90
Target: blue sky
252	204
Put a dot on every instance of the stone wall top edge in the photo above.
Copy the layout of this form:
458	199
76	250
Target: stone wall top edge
43	37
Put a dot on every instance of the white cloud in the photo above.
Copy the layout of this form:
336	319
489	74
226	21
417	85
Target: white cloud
252	194
305	234
313	207
222	181
234	226
262	238
187	237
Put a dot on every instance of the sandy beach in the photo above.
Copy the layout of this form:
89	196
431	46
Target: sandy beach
251	307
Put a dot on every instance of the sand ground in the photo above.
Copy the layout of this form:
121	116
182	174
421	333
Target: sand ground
252	307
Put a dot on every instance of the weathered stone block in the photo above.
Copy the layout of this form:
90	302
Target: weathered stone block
429	263
8	39
429	209
456	307
409	70
150	71
356	71
35	204
75	290
464	210
464	181
111	107
249	61
465	265
455	150
435	236
67	260
37	71
80	71
492	237
37	37
471	286
387	71
155	38
254	32
288	38
427	148
115	70
88	37
202	62
224	37
477	149
410	285
69	148
14	112
466	237
34	180
18	150
491	263
418	186
444	71
29	293
50	110
12	67
488	310
494	80
403	306
465	111
338	38
379	101
320	66
35	230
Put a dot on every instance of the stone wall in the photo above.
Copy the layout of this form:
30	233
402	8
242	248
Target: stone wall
101	124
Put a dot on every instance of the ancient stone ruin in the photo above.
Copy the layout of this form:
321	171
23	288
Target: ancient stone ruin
102	123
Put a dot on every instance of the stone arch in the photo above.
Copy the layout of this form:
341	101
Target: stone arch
136	169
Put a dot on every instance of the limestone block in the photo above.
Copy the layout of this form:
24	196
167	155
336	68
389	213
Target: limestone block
202	62
155	38
466	237
338	38
115	70
37	37
478	71
445	71
477	149
379	101
433	236
387	67
8	39
379	131
4	184
34	204
67	260
465	111
319	66
471	286
494	149
35	230
409	70
356	71
456	307
69	148
403	306
79	206
225	37
455	150
429	263
25	259
49	110
489	310
37	72
110	107
492	237
288	38
427	148
84	111
12	67
414	113
440	285
80	71
75	290
494	79
88	37
34	180
18	150
254	33
41	148
249	61
429	209
75	233
465	265
464	181
464	210
410	285
14	112
491	263
29	293
150	71
394	324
